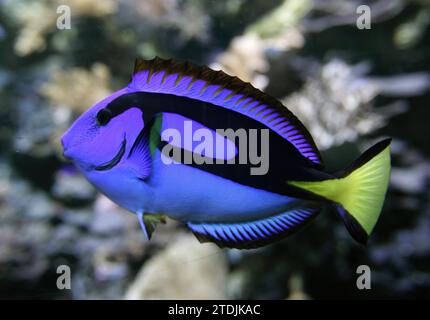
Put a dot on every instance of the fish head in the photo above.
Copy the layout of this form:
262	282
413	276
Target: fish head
98	139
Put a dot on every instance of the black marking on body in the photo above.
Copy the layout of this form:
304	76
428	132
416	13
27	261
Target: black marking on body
115	160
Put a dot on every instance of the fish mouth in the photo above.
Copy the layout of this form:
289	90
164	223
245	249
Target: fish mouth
115	160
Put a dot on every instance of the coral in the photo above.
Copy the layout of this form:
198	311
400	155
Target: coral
245	59
65	85
38	18
186	269
335	105
288	15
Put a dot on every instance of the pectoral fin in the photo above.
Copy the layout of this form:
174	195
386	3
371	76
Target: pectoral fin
140	156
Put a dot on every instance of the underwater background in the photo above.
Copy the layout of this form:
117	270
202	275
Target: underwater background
349	86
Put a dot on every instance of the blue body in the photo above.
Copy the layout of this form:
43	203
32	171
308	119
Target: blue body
178	191
113	146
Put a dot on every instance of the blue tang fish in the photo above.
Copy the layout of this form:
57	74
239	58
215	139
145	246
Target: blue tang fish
126	147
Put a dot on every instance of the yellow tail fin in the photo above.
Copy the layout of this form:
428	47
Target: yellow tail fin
358	193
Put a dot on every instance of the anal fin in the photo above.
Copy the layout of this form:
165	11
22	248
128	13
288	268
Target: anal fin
254	234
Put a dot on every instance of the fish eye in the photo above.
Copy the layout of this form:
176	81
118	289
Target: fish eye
104	116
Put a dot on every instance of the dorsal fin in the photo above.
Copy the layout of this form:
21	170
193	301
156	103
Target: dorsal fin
202	83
